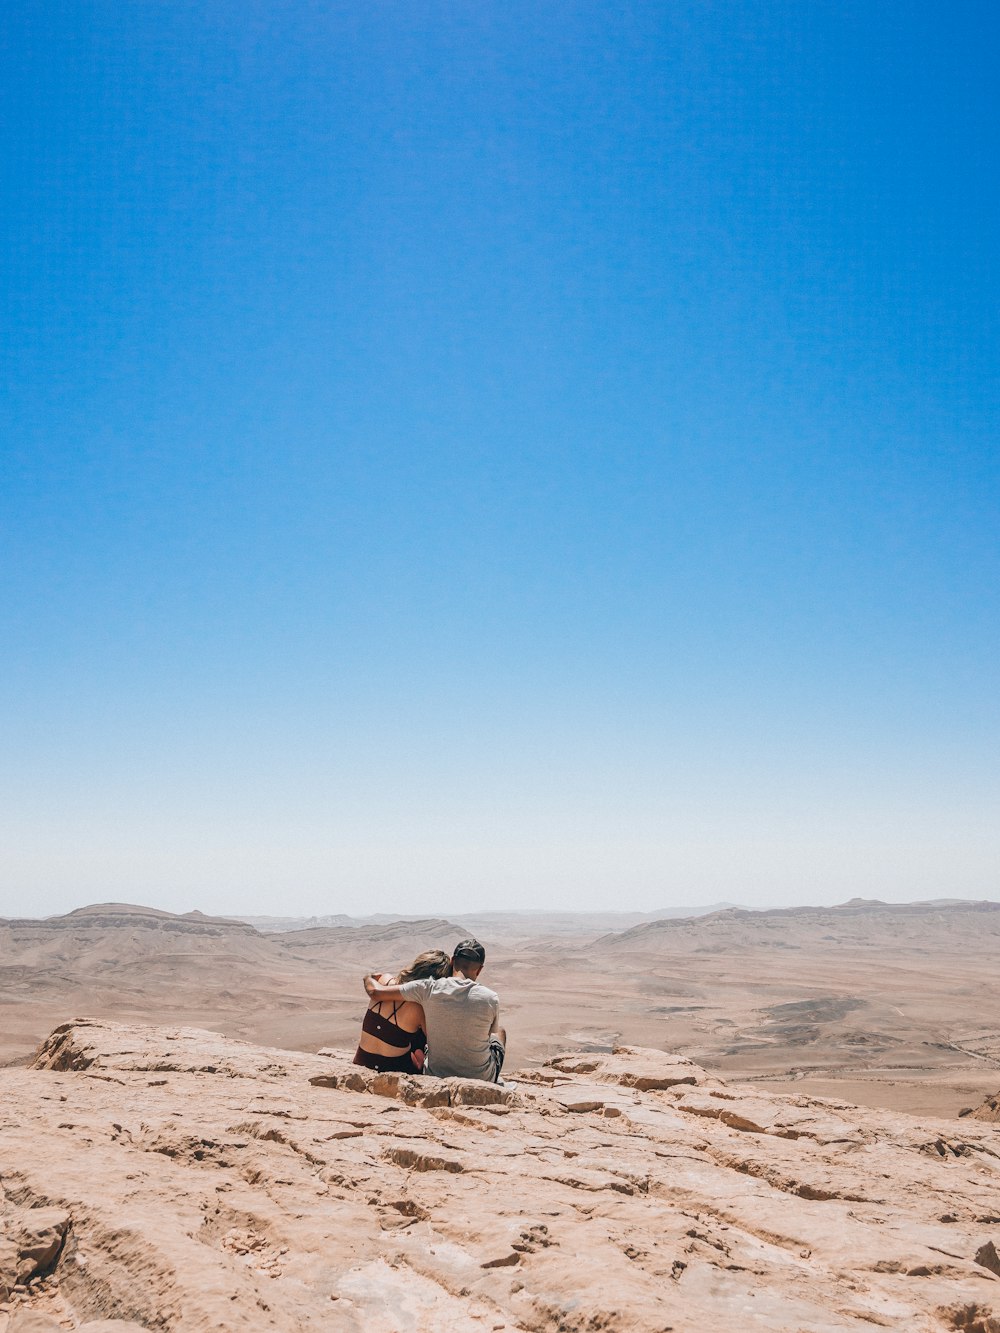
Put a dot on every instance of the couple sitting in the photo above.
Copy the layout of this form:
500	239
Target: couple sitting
434	1018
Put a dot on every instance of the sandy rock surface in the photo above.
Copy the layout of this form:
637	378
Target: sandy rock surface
175	1180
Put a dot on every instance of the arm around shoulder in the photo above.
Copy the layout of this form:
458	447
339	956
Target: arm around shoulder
378	993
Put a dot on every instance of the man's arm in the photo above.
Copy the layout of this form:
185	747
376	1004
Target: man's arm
379	993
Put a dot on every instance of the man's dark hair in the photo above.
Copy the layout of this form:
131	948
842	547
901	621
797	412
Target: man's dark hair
471	950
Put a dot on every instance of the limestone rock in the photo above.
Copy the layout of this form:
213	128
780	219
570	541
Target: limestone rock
111	1326
987	1257
8	1266
30	1245
33	1321
261	1191
647	1071
988	1110
39	1234
412	1089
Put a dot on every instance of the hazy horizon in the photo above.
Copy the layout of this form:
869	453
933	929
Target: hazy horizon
512	457
458	911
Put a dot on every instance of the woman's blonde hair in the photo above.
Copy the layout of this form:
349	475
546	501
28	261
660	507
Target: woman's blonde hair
432	963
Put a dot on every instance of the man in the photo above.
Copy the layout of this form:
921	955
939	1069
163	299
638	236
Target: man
464	1036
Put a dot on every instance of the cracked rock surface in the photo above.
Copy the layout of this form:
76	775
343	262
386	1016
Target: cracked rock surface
172	1179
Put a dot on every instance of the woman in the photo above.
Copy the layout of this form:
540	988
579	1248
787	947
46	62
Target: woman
392	1034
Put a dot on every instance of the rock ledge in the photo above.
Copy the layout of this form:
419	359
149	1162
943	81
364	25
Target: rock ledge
171	1179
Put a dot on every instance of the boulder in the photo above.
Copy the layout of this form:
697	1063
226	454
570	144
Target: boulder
988	1110
40	1239
38	1235
633	1067
414	1090
8	1266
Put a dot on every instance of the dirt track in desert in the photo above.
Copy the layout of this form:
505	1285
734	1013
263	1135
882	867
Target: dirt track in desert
886	1006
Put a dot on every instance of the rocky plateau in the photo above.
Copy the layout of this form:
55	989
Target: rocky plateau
173	1179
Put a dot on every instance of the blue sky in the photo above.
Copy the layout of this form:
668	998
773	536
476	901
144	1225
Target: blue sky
463	456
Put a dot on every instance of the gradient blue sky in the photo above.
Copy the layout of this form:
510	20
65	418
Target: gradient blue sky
486	455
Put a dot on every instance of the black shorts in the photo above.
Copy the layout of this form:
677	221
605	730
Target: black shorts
386	1064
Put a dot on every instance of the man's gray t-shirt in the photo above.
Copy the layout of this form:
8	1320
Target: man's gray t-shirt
460	1016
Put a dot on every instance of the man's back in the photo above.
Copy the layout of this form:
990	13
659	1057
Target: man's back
460	1016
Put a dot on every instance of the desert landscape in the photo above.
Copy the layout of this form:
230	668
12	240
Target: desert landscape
168	1178
886	1005
779	1120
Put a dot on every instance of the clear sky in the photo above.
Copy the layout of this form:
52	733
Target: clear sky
481	455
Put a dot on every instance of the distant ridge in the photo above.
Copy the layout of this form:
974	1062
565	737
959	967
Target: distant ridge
276	925
393	929
109	916
537	921
854	907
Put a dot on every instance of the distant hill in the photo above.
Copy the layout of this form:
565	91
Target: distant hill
116	916
277	925
132	945
844	920
522	924
387	944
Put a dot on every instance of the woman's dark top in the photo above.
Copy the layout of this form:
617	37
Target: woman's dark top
385	1030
